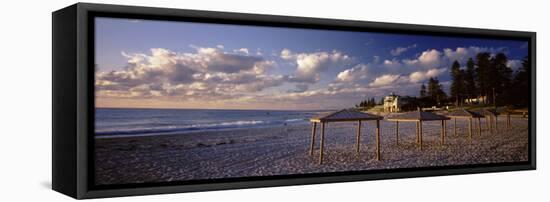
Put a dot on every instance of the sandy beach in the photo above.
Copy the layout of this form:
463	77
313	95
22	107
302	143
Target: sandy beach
284	150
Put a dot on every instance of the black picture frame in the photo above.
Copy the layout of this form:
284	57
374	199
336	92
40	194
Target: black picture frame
73	99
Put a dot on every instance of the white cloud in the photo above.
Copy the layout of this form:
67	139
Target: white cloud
287	54
430	58
310	65
514	64
384	80
426	60
397	51
420	76
391	72
360	75
242	50
433	59
356	73
207	73
393	65
462	54
216	60
459	54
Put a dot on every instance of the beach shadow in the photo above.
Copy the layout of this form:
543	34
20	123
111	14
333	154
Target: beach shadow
46	184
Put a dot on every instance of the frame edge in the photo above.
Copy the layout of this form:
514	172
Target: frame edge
64	145
81	163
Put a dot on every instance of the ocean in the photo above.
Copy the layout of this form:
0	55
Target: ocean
116	122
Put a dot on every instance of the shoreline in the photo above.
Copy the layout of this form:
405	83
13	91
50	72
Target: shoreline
191	131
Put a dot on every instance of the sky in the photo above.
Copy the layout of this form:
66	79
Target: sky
166	64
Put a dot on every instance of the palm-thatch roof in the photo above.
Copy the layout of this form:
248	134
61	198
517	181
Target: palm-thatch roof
345	115
417	116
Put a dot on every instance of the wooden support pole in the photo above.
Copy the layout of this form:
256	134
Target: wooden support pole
496	124
378	140
470	128
313	128
487	123
491	124
397	132
417	134
420	133
455	126
508	121
442	132
366	131
322	142
479	126
358	137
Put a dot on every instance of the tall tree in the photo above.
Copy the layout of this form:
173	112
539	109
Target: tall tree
503	79
457	85
435	91
484	73
520	85
422	90
469	79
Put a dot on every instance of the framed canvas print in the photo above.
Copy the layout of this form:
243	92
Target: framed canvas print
154	100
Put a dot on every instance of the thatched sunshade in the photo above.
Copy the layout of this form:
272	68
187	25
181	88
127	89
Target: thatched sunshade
509	112
491	116
419	116
466	114
345	115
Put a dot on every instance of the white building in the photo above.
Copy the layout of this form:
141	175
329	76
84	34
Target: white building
395	103
477	100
